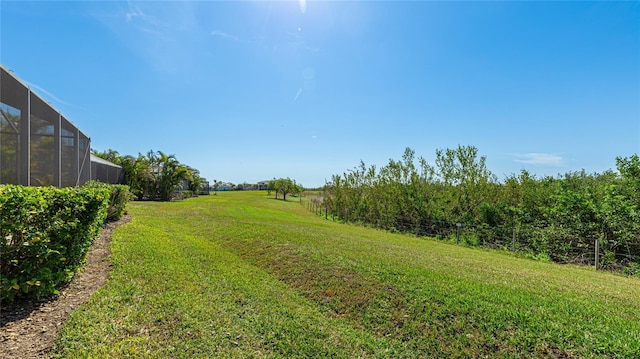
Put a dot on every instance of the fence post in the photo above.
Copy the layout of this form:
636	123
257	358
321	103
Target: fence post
597	253
458	225
513	242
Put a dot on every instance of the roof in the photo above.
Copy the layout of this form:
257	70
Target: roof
97	159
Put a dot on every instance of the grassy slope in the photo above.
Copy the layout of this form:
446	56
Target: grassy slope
243	275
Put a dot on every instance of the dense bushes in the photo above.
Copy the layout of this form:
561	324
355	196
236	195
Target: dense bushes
118	198
157	175
45	233
557	218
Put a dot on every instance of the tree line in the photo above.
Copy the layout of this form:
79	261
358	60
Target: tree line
556	218
156	175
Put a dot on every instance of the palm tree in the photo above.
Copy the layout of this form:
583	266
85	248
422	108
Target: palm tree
136	173
170	174
196	183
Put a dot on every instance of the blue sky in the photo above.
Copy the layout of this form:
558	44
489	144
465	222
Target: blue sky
246	91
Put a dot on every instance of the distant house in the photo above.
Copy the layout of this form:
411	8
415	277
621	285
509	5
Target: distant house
204	188
263	185
225	186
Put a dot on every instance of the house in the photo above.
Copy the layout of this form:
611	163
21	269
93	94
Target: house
263	185
39	146
225	186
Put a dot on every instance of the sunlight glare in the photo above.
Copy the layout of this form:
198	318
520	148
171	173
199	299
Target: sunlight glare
303	6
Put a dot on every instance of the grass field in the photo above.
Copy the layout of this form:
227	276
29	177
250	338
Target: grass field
241	275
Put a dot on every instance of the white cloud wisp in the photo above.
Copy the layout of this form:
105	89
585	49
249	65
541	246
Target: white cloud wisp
540	159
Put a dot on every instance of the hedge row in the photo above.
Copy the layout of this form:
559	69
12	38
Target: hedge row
119	197
45	233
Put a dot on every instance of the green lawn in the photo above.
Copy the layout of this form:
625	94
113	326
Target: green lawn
241	275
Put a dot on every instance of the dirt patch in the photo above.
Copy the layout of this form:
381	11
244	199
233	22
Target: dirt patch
28	328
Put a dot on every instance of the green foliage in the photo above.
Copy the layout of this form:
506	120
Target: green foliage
284	186
167	173
196	183
45	233
156	175
556	218
137	173
184	195
417	199
118	198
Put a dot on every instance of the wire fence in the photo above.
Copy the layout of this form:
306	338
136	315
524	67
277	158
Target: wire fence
557	244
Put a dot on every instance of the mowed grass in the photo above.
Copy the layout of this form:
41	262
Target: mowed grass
241	275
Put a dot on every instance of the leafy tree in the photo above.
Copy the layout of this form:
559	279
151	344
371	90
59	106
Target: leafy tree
629	168
555	218
285	186
154	176
620	211
470	177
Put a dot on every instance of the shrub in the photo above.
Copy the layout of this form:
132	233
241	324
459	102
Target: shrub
184	194
118	199
45	233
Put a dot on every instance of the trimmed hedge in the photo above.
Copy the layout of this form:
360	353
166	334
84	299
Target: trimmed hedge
45	233
118	199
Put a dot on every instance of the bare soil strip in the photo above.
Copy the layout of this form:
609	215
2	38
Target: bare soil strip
29	328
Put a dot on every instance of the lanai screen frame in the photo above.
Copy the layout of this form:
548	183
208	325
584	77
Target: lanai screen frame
38	145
